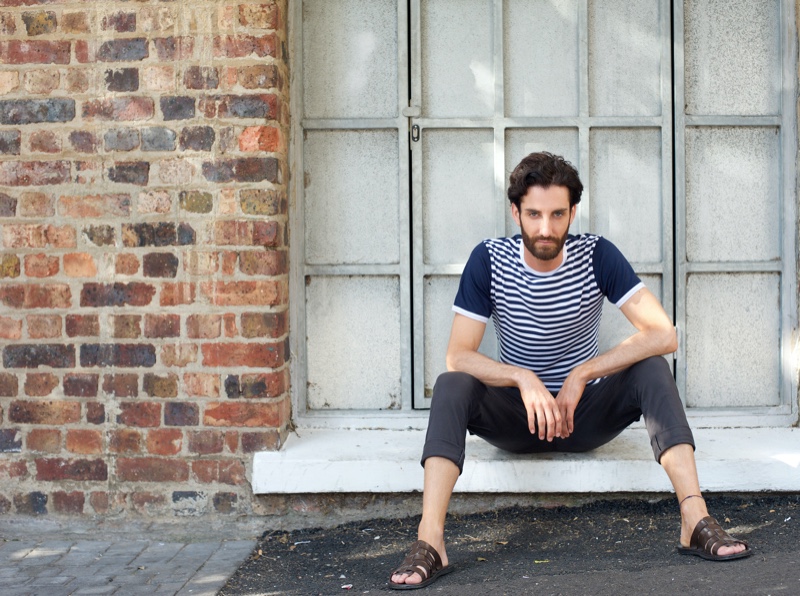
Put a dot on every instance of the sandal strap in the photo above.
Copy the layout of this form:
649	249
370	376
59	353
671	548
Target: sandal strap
689	497
422	558
709	536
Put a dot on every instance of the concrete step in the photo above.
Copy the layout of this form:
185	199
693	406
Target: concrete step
387	461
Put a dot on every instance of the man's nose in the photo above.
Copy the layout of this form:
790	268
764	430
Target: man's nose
544	229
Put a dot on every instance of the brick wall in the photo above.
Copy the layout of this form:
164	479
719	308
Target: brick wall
143	271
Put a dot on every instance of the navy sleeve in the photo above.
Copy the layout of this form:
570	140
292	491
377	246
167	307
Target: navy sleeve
614	275
474	298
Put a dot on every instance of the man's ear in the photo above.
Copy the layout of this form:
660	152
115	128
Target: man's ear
515	214
572	212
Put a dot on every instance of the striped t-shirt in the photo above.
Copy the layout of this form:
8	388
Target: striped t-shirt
545	322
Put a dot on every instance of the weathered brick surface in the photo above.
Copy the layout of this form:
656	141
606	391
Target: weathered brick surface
143	253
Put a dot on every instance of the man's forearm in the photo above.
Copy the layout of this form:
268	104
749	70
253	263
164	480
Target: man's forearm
641	345
489	371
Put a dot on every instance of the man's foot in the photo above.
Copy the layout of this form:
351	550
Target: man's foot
403	576
695	517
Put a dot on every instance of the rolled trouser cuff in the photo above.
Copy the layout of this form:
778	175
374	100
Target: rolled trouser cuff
445	449
663	440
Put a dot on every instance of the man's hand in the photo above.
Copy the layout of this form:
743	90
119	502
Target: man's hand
542	409
567	400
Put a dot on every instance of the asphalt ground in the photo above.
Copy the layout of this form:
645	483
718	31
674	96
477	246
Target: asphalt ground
602	548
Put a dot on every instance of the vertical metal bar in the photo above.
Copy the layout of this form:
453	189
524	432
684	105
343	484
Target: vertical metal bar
680	195
417	256
789	322
297	259
584	218
667	269
499	114
403	214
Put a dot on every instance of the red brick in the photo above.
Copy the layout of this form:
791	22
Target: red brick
152	469
229	260
40	384
95	413
119	109
264	324
178	354
83	326
85	441
9	386
246	414
36	204
141	414
10	328
259	16
38	236
52	413
41	265
95	206
43	440
263	441
79	265
57	469
205	442
160	385
246	233
232	440
34	173
117	294
149	503
44	326
259	385
223	471
200	263
13	469
46	141
34	52
126	264
80	384
267	262
75	22
201	384
229	325
162	325
203	326
252	354
259	76
242	46
121	385
36	296
174	294
127	326
260	138
242	293
166	441
125	441
181	413
99	501
70	503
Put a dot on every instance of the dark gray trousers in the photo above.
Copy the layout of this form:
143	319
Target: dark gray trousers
461	404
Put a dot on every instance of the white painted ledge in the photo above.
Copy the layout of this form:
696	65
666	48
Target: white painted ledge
387	461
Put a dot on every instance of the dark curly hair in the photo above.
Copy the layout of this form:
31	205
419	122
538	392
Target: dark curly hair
544	169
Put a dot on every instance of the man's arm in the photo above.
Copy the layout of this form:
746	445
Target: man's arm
463	356
655	336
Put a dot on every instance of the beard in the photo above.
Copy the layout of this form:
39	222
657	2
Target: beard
547	252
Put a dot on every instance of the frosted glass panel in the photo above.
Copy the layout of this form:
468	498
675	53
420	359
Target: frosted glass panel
350	58
457	64
440	292
732	54
614	327
541	57
626	190
624	58
732	194
521	142
732	340
353	349
351	197
458	193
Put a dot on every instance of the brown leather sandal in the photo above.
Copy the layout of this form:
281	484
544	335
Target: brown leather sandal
423	560
708	537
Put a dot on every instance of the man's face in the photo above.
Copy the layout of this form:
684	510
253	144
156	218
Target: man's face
544	217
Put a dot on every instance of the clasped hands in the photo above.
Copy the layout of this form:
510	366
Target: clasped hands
552	418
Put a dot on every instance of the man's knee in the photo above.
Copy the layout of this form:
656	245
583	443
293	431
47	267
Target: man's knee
454	384
654	369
